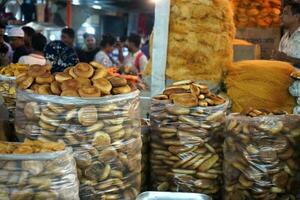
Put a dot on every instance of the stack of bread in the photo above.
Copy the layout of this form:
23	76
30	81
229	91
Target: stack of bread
295	90
97	115
8	85
200	40
186	139
83	80
261	84
37	170
261	156
257	13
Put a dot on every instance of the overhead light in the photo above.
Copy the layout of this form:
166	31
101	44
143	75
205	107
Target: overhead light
154	1
76	2
97	7
52	37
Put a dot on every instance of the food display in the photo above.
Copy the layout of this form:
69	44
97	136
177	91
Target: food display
37	170
104	132
186	139
83	80
257	13
261	156
8	87
145	153
260	84
199	41
295	90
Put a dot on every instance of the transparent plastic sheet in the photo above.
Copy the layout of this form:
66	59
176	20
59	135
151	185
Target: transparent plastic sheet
261	157
186	148
145	153
105	134
39	176
8	92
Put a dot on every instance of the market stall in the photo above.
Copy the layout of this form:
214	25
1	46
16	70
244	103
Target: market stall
218	129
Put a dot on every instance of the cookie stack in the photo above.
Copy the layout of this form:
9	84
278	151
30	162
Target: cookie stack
295	90
186	139
8	85
95	118
261	156
37	170
83	80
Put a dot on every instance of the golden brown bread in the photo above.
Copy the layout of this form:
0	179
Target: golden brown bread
44	89
24	81
61	77
104	85
45	78
83	70
89	91
117	81
69	93
36	70
55	88
71	84
121	90
84	81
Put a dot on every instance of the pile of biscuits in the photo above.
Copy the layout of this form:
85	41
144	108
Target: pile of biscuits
251	112
37	176
30	147
186	139
261	157
257	13
83	80
188	94
13	70
8	85
105	134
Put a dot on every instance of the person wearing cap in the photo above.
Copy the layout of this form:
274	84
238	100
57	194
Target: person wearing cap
16	36
39	42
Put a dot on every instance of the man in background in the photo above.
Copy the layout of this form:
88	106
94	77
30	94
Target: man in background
5	49
36	57
136	59
68	37
289	47
88	52
16	37
29	32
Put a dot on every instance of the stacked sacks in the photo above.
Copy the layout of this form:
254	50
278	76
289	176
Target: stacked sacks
261	156
104	132
186	139
257	13
295	90
37	170
200	40
260	84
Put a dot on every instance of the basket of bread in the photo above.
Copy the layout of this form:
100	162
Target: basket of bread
37	170
261	155
94	113
186	139
8	85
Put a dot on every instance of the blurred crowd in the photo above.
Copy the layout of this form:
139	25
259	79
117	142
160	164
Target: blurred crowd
25	46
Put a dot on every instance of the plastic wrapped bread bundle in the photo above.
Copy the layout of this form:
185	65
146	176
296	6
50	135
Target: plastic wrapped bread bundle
44	175
261	157
8	92
105	134
186	139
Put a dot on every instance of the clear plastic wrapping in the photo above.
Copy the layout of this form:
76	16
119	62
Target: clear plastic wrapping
8	92
145	153
105	134
186	147
261	157
41	176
